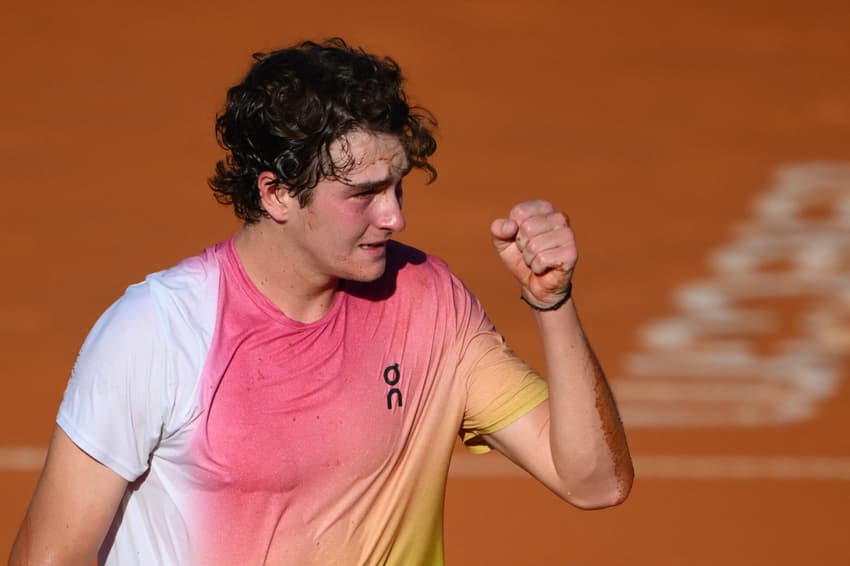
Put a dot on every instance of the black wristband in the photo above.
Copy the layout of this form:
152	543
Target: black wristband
567	294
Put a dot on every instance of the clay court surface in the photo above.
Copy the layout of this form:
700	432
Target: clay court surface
701	151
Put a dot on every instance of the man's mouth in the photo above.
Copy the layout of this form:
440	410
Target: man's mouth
374	245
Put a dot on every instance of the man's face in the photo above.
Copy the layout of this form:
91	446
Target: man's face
342	233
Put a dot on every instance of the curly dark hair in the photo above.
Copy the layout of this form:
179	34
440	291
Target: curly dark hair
294	103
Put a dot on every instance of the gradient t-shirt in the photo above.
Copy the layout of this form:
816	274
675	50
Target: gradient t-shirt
250	438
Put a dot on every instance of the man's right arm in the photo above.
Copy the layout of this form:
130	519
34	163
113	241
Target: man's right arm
71	510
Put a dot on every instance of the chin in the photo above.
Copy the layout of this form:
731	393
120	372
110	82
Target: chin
365	278
367	275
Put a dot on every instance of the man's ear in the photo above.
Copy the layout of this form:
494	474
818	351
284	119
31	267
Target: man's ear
274	196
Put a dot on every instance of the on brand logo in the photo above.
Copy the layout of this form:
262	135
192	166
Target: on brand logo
392	375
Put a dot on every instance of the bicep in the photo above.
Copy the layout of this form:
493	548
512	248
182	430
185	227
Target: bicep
71	510
525	442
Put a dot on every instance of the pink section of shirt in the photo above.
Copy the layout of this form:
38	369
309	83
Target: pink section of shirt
329	442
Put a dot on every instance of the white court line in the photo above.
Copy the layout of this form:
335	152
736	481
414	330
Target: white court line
744	467
31	458
21	458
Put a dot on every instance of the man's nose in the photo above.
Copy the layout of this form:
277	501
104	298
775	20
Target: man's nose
390	214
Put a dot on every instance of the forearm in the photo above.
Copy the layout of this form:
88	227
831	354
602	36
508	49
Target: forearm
574	443
586	437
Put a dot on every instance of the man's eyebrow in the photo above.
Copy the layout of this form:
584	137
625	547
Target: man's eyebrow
378	183
370	185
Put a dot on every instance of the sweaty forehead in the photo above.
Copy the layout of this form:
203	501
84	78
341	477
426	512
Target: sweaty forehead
364	153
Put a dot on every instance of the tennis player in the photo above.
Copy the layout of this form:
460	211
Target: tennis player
292	395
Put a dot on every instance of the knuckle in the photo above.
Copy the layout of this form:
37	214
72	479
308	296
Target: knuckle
563	232
560	219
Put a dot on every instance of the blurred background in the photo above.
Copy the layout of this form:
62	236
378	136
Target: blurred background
702	151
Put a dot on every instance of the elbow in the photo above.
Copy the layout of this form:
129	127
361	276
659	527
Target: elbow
597	500
600	493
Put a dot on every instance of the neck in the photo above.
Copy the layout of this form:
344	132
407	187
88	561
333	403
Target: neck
271	266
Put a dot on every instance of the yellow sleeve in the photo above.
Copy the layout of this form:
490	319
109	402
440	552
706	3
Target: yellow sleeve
500	387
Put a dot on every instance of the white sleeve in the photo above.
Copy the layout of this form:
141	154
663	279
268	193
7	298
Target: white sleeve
117	399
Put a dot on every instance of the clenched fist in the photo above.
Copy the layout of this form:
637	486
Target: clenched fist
538	247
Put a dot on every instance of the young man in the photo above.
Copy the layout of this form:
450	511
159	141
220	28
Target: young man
292	395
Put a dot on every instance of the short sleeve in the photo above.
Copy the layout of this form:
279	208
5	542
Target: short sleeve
500	386
116	401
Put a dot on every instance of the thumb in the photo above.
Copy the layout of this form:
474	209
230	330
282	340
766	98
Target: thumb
503	231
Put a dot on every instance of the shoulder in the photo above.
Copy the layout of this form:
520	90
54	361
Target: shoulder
150	344
189	276
423	274
177	301
185	291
